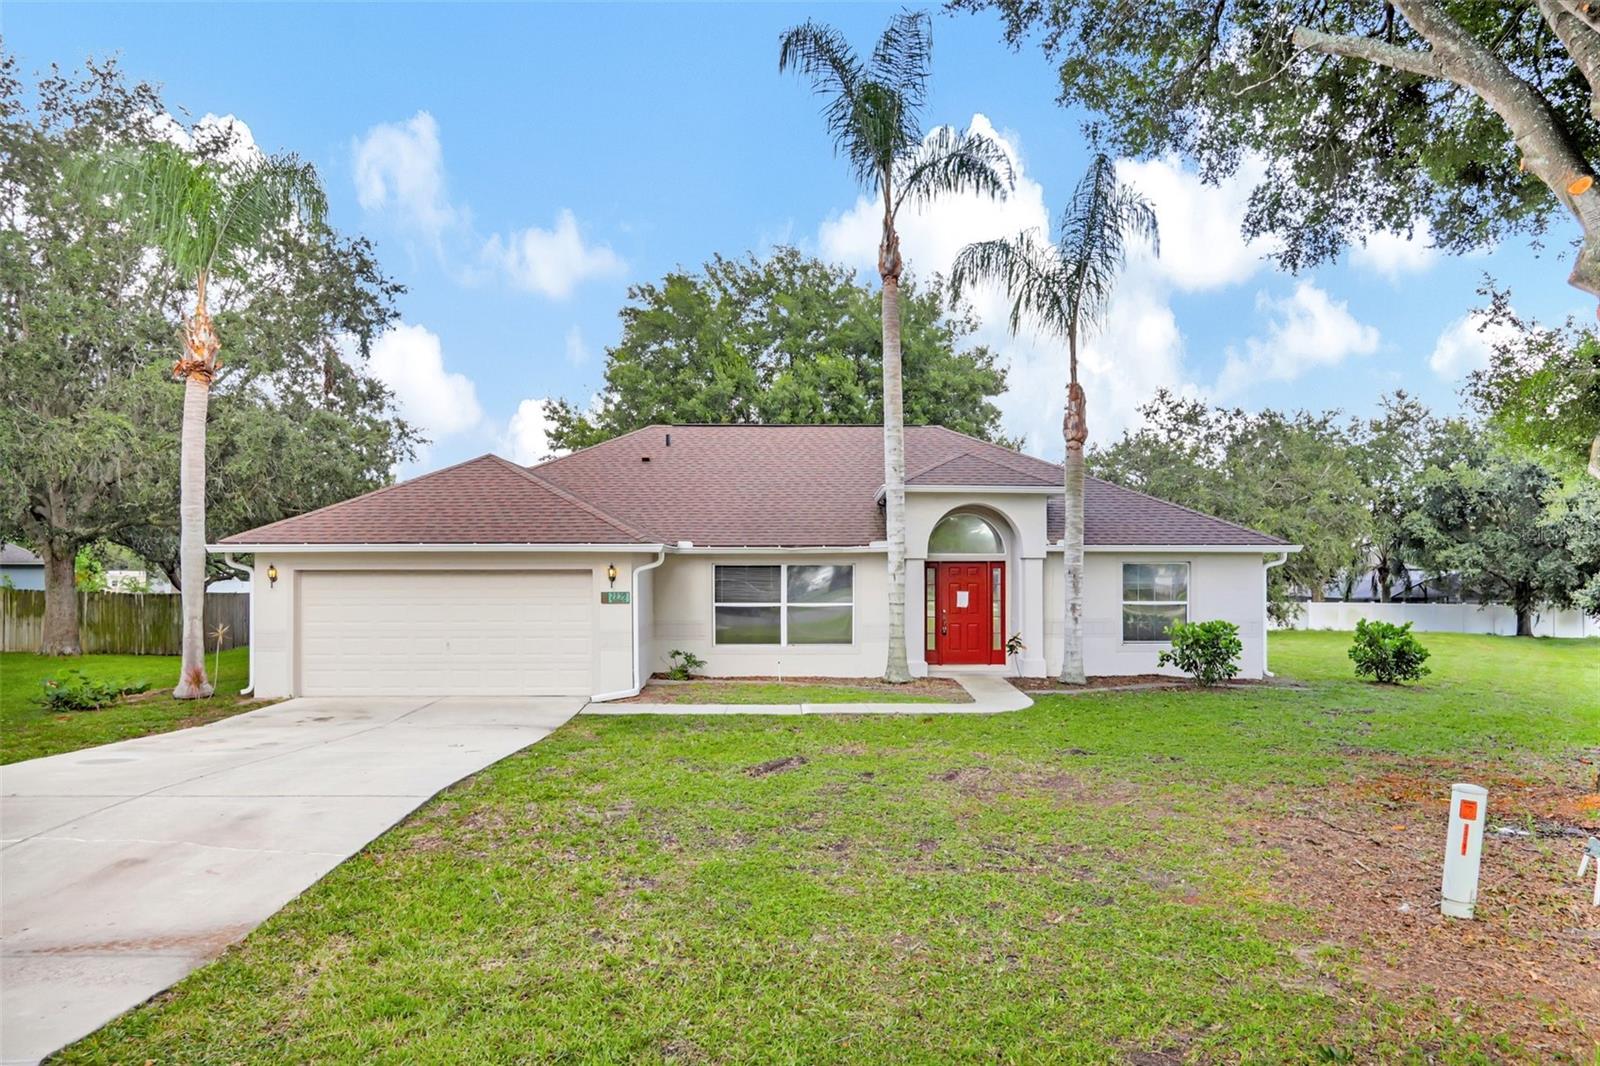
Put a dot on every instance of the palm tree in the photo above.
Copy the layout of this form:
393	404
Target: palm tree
209	219
872	109
1065	288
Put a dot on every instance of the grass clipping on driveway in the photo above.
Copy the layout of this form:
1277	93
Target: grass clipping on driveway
1170	876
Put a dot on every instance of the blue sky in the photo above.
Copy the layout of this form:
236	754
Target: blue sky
520	166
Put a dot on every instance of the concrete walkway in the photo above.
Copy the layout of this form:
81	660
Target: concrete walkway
991	694
124	867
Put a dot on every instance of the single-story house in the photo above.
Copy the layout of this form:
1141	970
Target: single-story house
21	568
760	549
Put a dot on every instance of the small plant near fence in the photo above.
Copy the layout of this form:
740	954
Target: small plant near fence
683	664
1388	653
1206	651
73	691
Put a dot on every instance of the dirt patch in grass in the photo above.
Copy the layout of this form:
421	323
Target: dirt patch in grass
1366	861
777	766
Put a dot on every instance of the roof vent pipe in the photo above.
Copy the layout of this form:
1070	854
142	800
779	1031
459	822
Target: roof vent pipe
669	440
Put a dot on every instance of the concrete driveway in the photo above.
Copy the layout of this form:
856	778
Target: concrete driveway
124	867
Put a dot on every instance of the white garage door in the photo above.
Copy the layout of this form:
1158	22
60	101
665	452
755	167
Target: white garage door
446	633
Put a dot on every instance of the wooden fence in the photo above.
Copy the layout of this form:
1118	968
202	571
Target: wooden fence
124	623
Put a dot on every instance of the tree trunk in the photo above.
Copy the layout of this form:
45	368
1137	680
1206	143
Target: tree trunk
1524	621
60	635
192	682
1381	572
897	669
1075	431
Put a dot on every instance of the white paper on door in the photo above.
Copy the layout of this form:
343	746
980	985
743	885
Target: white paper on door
961	598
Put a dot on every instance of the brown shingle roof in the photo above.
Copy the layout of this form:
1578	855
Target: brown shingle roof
722	486
487	500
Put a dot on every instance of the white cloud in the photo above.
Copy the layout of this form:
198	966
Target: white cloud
410	360
1395	254
551	262
577	350
399	167
527	436
228	130
1202	243
1308	329
1466	345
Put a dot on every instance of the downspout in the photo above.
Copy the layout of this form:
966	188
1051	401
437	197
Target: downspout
638	667
227	560
1282	558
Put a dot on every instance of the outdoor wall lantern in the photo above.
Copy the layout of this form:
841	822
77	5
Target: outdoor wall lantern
272	576
611	574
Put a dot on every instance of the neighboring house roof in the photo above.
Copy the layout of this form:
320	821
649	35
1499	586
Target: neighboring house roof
17	555
723	486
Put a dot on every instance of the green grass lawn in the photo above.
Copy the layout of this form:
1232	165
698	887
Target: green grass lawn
28	731
709	691
1123	877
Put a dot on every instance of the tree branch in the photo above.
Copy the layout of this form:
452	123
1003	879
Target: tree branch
1423	64
1582	40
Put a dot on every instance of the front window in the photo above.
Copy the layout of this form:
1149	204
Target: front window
800	604
964	534
1154	596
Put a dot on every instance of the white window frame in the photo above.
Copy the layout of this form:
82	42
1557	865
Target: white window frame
1122	595
783	605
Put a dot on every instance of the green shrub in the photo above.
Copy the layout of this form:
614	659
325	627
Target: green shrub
73	691
684	664
1206	651
1387	653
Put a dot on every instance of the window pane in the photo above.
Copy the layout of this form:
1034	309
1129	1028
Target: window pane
1158	582
1171	581
819	625
994	604
930	587
748	625
1150	622
1137	582
820	584
748	584
964	534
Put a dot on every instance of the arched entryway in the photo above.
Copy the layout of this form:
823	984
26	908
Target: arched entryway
965	612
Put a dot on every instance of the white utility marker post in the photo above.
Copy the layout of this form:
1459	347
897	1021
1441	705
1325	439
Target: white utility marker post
1463	849
1592	851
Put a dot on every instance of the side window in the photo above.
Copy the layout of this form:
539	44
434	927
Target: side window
1154	596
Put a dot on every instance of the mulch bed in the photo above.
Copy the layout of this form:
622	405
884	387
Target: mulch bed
1365	860
703	689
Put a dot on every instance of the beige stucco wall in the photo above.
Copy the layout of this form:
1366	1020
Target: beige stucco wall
1221	586
275	624
682	592
675	602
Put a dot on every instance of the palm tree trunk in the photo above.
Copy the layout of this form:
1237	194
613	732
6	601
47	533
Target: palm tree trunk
196	369
192	683
1075	429
60	636
897	669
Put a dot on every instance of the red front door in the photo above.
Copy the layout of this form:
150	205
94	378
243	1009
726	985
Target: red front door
964	612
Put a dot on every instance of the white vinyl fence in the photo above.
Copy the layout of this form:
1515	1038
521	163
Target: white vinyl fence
1444	618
